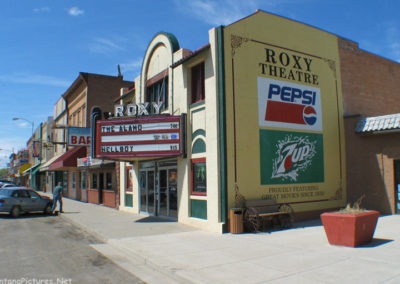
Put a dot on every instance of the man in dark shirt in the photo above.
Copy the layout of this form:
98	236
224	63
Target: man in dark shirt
57	196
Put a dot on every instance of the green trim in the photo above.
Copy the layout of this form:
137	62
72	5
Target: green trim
193	105
198	109
222	122
172	40
191	118
128	200
198	209
199	146
34	171
198	132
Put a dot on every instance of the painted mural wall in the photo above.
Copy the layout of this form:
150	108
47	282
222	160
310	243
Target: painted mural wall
284	117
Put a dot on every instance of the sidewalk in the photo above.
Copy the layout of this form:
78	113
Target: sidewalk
159	251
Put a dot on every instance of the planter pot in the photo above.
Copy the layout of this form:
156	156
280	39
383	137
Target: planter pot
350	229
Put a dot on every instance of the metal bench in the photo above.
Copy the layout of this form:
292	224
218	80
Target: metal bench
259	212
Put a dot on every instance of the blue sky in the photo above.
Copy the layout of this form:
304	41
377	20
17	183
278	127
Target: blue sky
46	43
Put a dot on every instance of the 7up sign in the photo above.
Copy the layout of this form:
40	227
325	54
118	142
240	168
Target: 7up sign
291	157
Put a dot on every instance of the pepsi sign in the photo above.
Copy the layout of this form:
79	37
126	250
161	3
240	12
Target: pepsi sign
288	105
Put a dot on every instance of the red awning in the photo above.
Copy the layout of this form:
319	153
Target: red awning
68	159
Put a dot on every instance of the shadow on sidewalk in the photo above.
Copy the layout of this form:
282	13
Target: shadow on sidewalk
153	219
308	223
376	242
32	215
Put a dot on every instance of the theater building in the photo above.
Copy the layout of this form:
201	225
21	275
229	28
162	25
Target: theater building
255	113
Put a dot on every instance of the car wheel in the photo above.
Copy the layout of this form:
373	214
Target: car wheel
15	211
48	210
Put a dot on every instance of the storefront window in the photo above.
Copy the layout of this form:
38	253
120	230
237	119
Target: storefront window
94	181
101	181
108	181
83	180
73	180
199	177
129	179
64	181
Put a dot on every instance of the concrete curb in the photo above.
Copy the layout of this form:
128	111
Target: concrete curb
168	252
138	265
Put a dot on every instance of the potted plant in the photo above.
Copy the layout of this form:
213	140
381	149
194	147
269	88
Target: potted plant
351	226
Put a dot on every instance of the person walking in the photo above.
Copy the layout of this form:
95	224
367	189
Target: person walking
57	196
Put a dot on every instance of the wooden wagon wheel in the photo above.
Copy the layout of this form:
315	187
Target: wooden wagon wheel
252	221
286	220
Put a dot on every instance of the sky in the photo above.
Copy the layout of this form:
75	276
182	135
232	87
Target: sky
46	43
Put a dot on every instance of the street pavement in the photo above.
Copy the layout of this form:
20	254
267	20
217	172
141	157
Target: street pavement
161	251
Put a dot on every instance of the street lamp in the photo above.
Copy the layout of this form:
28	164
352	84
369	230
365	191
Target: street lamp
20	118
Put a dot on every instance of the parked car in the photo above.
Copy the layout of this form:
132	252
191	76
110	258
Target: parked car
6	185
3	182
18	200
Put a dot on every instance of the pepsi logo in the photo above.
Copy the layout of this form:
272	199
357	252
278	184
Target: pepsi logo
289	105
310	115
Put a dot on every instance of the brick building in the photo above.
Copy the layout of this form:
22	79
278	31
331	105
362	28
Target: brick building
87	91
281	113
371	108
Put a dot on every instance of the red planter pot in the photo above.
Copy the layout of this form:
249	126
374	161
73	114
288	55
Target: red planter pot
350	229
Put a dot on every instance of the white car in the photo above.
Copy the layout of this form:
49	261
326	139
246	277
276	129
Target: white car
8	185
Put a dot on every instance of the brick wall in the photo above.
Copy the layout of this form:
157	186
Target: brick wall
109	198
103	90
369	85
369	164
93	196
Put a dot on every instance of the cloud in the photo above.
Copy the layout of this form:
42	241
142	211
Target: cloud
393	40
396	51
4	160
34	79
25	124
7	147
384	40
132	68
42	10
104	45
211	12
222	12
75	11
